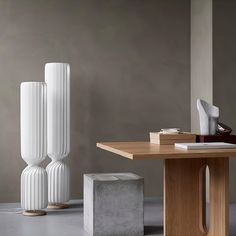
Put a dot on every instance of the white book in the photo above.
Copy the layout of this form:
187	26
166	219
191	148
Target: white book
196	146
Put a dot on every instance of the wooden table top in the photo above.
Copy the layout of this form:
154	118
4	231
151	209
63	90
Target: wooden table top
147	150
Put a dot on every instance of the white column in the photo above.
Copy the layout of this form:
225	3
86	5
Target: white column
201	57
57	77
33	146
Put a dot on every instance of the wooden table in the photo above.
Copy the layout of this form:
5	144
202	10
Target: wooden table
184	185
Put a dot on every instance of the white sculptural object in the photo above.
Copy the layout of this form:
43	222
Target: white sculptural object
208	116
57	77
33	147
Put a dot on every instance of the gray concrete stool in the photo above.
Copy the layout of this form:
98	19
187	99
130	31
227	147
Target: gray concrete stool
113	204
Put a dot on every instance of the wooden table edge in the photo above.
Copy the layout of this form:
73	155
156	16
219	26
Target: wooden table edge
114	150
162	156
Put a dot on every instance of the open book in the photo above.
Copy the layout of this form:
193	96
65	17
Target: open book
197	146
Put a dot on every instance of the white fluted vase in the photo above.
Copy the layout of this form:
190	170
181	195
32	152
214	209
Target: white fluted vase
33	147
57	77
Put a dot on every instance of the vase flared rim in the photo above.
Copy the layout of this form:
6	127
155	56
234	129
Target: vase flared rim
57	63
33	82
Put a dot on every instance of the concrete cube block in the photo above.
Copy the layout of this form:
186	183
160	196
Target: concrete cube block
113	204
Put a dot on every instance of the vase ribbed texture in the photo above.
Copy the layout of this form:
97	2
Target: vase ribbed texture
57	77
34	195
33	145
33	122
58	182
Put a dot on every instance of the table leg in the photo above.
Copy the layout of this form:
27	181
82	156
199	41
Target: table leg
184	197
219	202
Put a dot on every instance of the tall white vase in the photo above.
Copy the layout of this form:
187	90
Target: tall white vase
33	147
208	117
57	77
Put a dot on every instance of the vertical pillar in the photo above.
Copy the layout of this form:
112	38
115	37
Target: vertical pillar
201	57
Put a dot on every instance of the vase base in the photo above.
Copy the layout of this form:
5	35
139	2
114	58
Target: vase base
58	206
34	213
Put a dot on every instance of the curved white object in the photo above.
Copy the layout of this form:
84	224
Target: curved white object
34	190
208	116
59	182
33	145
57	77
33	122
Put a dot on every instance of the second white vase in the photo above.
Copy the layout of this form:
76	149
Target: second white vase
57	78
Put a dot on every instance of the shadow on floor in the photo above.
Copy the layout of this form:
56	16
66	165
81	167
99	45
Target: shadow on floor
76	205
57	213
153	229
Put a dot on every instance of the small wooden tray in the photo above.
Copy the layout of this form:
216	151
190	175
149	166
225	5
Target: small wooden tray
171	139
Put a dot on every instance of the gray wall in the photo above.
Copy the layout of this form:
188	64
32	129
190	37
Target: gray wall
224	70
130	75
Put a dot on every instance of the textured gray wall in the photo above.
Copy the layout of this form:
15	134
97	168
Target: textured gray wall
130	75
224	70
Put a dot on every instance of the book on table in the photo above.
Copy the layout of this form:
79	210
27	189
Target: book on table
211	145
